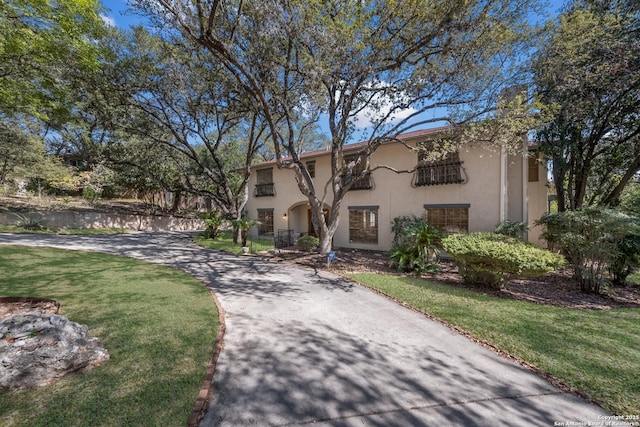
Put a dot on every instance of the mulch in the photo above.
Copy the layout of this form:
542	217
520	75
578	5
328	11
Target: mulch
557	288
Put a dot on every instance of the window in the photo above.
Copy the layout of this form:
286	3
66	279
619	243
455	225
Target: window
363	183
447	170
311	167
264	185
265	216
451	218
363	224
534	168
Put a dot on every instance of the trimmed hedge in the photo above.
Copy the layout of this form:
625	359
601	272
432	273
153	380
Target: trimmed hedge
491	259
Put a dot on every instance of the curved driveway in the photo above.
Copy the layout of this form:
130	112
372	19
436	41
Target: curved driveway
304	347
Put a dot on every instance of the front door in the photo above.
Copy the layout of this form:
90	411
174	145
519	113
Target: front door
310	229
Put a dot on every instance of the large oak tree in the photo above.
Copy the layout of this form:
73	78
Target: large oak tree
590	71
403	64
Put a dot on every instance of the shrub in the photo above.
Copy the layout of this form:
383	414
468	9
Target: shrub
213	221
28	222
511	228
243	225
592	239
415	245
491	259
308	243
89	194
626	260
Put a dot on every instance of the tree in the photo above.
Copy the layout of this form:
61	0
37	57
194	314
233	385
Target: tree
40	42
179	104
24	155
391	61
590	71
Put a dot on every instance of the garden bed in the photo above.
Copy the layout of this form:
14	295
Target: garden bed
556	288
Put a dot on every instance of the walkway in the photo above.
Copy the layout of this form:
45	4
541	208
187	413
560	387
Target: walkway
305	347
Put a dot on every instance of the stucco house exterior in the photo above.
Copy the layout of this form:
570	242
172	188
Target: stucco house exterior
470	190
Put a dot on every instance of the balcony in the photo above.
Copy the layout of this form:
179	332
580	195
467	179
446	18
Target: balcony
364	183
264	190
438	174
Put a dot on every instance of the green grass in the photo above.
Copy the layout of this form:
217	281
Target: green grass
224	242
19	230
635	277
597	352
158	324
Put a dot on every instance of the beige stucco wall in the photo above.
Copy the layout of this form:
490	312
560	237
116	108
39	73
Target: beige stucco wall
394	195
538	204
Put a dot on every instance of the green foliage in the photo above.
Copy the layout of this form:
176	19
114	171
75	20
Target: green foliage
630	199
415	245
588	71
626	260
491	259
89	194
30	222
225	242
244	225
592	239
308	243
511	228
362	65
41	44
213	221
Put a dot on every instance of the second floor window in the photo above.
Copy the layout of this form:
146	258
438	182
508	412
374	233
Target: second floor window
446	170
264	184
364	183
311	167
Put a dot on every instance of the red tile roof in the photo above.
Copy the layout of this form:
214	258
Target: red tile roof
355	146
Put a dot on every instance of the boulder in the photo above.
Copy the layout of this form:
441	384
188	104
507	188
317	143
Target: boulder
38	348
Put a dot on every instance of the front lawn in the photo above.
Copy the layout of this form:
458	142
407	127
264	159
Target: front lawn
158	324
224	242
595	351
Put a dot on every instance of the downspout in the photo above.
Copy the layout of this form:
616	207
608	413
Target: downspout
503	184
525	187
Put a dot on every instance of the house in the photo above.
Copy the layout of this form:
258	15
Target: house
472	189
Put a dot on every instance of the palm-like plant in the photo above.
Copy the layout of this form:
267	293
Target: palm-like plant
244	225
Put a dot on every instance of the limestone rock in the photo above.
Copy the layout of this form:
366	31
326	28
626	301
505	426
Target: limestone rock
37	348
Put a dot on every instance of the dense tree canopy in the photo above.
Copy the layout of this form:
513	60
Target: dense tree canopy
392	61
590	70
41	42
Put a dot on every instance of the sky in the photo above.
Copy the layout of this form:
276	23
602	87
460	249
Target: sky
118	14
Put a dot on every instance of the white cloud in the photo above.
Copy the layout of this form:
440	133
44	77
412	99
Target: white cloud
380	108
108	20
364	117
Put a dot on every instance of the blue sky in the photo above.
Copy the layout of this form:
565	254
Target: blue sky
118	12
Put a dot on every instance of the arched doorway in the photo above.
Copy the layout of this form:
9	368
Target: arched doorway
300	218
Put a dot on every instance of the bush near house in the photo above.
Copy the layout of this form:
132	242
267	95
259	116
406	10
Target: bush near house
213	221
308	243
415	245
491	259
597	243
511	228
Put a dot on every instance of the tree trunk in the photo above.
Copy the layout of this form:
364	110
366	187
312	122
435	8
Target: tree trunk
177	199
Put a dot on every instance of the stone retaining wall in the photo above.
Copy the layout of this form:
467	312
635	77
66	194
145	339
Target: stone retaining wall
90	219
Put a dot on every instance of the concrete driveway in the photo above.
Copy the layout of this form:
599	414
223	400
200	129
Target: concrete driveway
307	347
